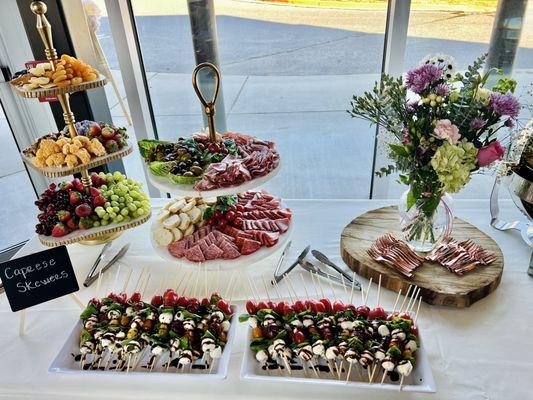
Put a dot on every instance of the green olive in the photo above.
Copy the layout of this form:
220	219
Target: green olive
181	151
185	157
197	171
188	173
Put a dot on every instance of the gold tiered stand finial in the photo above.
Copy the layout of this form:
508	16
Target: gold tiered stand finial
209	106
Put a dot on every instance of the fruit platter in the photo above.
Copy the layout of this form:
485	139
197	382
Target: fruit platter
69	75
225	231
198	167
68	213
329	342
97	143
172	335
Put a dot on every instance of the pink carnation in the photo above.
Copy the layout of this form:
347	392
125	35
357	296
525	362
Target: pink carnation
490	153
447	131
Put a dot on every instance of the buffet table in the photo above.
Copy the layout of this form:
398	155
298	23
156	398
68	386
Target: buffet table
476	353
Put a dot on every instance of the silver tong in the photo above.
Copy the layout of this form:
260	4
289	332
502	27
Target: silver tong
315	268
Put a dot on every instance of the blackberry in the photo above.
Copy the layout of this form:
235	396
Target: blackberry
62	200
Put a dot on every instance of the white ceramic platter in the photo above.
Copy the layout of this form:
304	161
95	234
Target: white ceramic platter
64	363
239	262
167	186
420	380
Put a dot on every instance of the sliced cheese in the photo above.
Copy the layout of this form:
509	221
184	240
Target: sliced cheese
163	237
172	222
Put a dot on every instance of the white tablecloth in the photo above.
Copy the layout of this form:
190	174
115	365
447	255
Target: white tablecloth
481	352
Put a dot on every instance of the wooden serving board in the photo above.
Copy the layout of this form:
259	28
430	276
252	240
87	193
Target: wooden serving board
438	286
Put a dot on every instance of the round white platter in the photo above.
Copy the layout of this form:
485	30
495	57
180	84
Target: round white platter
213	265
167	186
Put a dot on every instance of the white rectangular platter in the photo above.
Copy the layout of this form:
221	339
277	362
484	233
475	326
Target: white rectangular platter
65	362
420	380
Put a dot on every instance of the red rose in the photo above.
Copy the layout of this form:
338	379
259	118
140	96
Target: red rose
490	153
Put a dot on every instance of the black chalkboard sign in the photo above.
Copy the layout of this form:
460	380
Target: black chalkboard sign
38	277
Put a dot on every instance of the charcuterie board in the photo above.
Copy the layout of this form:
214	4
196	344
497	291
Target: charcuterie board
438	285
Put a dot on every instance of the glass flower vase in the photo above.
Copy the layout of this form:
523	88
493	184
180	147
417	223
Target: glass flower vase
423	230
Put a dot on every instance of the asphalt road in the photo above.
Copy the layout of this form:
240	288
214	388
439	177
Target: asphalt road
273	40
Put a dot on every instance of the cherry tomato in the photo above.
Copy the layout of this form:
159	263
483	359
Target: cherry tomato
362	311
193	305
239	207
414	330
262	305
299	306
250	307
170	299
201	146
338	306
230	215
222	223
238	214
287	310
271	305
377	313
405	316
218	214
327	304
309	304
299	337
280	307
157	300
135	297
205	302
182	301
168	291
391	316
224	307
319	307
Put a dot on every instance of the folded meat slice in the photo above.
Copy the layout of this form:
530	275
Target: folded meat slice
267	239
213	252
179	247
195	254
271	214
250	246
230	251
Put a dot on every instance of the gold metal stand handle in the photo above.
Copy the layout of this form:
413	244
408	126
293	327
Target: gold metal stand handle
209	106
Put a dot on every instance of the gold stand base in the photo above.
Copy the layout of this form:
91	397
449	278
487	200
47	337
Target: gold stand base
102	239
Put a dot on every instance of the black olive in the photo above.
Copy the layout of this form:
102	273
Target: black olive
271	331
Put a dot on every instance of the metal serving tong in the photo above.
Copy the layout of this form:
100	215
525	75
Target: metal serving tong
93	274
315	268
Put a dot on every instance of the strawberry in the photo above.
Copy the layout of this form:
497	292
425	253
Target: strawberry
287	310
85	223
338	306
111	146
121	141
362	311
205	302
75	197
77	184
64	215
182	301
250	307
94	191
94	130
262	305
319	306
107	132
59	230
271	305
280	307
66	185
73	223
99	201
83	210
299	306
170	299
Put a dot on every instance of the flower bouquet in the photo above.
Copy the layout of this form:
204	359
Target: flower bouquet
440	127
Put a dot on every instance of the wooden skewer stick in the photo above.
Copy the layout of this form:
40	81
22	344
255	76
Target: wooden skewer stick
22	321
278	293
148	275
379	291
266	287
314	368
287	365
320	285
349	372
344	286
139	280
305	286
197	280
330	366
289	289
232	292
251	288
397	299
206	283
180	281
413	297
383	377
115	282
99	282
314	284
401	383
77	300
341	367
352	289
405	298
368	291
417	309
289	282
256	289
331	287
127	281
213	360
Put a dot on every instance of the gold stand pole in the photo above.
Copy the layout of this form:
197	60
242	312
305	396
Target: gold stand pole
45	31
209	106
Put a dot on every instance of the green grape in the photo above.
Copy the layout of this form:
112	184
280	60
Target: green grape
96	223
121	199
119	218
140	211
124	212
128	198
110	193
107	204
116	209
114	203
105	217
132	207
121	205
113	214
137	203
103	188
104	222
127	218
109	209
114	197
94	217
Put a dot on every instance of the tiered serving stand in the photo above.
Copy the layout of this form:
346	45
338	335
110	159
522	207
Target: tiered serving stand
93	235
165	185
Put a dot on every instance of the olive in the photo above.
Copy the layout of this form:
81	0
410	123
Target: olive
197	171
271	331
185	157
181	151
195	163
188	173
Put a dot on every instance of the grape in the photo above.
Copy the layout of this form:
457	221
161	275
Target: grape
116	209
124	212
114	197
96	223
109	209
119	218
104	222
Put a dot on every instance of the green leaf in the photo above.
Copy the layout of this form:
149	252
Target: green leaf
244	317
400	150
85	336
90	310
260	344
147	144
183	180
161	168
411	199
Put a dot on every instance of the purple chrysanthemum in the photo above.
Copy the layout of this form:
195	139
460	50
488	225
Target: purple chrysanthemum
504	104
411	106
419	78
477	123
442	90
